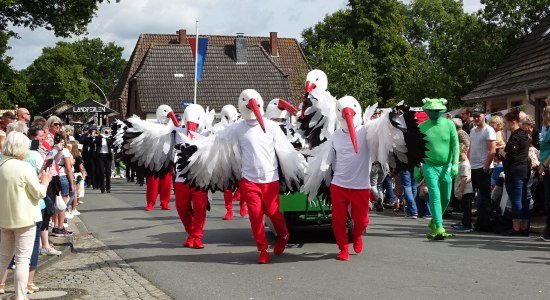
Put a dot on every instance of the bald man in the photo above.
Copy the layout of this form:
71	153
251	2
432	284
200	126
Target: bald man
23	115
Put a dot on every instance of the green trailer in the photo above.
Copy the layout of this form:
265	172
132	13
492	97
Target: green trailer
299	213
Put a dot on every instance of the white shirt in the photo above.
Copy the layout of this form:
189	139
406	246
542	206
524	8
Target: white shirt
478	145
104	146
257	148
65	154
464	170
351	170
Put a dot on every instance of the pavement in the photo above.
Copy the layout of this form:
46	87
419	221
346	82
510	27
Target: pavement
87	269
121	251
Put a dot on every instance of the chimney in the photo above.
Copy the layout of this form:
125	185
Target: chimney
240	49
274	44
182	36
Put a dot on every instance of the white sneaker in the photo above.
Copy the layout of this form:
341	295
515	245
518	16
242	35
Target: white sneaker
65	225
76	213
50	251
80	202
69	215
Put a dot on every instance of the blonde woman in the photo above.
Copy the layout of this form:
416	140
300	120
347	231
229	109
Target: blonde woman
498	124
20	192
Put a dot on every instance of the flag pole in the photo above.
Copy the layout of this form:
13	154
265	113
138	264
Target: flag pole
196	58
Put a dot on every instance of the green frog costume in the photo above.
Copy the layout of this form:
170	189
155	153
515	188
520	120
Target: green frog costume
441	162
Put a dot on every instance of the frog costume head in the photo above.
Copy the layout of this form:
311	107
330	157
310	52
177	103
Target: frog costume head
434	108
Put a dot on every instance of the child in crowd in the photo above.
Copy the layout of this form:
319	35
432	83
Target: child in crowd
464	191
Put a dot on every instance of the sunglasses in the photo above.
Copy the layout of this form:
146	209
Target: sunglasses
56	124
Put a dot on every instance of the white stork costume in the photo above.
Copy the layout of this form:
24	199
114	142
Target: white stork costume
280	111
318	119
191	203
342	164
256	154
230	115
149	146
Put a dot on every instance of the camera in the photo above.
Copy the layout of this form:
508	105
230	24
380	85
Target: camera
58	137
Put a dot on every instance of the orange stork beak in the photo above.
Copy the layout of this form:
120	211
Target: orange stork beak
348	113
172	116
191	127
310	86
253	106
283	104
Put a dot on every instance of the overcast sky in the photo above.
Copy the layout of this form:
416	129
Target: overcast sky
123	22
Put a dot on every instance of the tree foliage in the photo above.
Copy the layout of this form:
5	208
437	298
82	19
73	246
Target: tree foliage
64	17
427	48
351	70
13	89
64	72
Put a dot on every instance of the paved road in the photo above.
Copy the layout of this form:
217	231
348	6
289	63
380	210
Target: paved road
397	263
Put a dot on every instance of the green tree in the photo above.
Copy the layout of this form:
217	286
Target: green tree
13	89
102	62
54	77
350	69
64	17
518	17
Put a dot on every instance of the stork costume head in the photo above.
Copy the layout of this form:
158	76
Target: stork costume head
279	109
251	106
194	118
316	81
229	114
165	114
349	116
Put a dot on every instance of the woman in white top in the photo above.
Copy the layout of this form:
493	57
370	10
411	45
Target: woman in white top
20	191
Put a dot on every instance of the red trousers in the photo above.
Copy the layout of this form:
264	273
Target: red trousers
341	198
185	197
162	183
229	197
262	198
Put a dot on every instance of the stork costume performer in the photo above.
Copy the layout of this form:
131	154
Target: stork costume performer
280	111
229	116
441	162
343	163
149	145
191	203
255	153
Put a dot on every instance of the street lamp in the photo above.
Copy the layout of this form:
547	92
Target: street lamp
104	96
106	101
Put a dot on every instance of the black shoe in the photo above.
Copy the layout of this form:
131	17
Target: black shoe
132	180
512	232
103	191
108	191
524	232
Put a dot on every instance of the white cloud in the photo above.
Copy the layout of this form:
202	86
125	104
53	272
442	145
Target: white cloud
123	22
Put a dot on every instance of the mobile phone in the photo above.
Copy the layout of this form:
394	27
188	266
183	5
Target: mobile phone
47	164
35	144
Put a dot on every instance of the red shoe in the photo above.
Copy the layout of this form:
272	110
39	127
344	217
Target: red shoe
358	244
189	242
263	258
281	244
148	208
243	211
197	244
228	215
343	255
165	207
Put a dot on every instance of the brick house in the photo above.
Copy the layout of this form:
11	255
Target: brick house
521	79
161	71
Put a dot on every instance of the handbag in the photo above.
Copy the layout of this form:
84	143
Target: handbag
59	204
50	207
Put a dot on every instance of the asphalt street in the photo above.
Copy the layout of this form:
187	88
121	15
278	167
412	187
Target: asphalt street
397	262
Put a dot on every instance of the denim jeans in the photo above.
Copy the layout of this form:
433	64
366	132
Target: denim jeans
423	205
387	185
517	193
410	190
481	182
